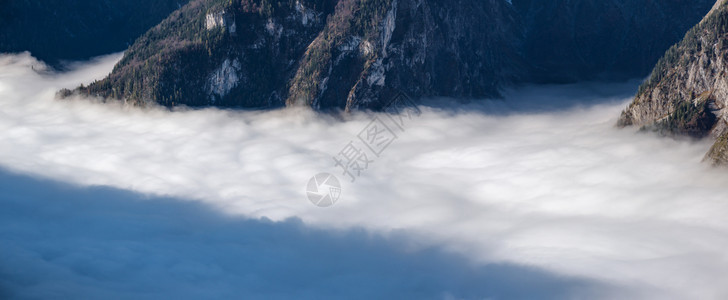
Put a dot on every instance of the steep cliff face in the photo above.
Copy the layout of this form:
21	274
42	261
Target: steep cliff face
77	29
687	93
217	52
353	54
464	49
718	154
572	40
326	54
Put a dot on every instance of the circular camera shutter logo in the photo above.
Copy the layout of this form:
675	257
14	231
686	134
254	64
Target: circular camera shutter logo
323	190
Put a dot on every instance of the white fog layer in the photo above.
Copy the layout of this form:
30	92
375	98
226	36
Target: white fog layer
540	179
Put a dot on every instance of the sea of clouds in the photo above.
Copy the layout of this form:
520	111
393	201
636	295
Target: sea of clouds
540	184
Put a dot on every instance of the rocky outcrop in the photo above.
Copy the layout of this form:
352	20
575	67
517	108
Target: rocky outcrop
357	54
463	49
687	92
718	154
345	54
217	52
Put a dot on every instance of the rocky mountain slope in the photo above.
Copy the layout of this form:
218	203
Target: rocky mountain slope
55	30
218	52
353	54
370	50
687	92
326	54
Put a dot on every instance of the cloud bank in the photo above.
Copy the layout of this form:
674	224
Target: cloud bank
541	179
58	242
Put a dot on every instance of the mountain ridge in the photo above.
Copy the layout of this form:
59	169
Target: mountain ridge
356	54
687	92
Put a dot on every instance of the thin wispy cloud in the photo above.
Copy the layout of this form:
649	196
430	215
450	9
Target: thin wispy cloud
542	178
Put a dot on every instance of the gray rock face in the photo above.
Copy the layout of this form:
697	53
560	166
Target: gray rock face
718	154
687	93
224	79
358	54
463	49
217	52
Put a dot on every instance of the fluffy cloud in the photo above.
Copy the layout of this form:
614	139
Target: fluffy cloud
100	243
541	179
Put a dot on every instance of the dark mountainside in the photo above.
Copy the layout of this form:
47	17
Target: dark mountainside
569	40
223	53
56	30
463	49
354	54
687	93
258	54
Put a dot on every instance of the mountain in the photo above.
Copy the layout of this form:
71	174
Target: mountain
687	92
223	53
573	40
358	54
371	50
55	30
326	54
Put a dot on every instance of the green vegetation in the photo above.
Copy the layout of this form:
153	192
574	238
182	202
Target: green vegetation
179	38
360	18
172	62
689	111
718	154
691	120
280	8
699	40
